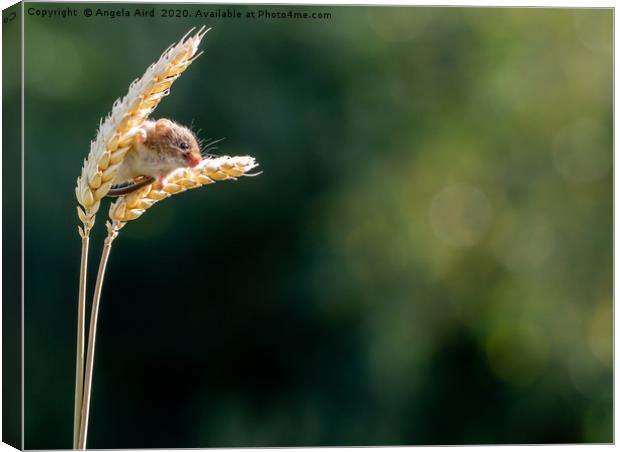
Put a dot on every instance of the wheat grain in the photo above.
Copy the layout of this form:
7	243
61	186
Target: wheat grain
117	130
210	170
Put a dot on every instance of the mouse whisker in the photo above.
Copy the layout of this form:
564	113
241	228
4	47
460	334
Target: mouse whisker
207	153
209	146
212	142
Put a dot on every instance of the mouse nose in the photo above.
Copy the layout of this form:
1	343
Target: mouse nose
193	160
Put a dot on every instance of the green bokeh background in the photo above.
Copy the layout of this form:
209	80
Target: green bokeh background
426	258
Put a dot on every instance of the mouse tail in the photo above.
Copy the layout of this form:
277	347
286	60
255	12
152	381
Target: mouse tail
125	189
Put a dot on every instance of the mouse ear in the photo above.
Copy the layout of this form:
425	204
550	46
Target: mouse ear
163	126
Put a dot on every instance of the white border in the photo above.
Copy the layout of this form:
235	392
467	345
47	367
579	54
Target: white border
556	4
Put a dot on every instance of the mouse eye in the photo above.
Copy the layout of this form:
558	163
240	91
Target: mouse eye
184	146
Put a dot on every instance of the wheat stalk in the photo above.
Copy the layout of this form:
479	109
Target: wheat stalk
92	334
79	356
107	151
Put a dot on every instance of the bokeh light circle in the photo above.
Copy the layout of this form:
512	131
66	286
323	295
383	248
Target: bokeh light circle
460	215
524	241
582	151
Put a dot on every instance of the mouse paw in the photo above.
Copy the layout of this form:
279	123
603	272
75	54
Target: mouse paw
140	136
160	183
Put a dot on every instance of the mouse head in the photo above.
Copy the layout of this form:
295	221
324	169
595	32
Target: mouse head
179	141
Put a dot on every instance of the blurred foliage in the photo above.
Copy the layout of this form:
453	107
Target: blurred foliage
426	258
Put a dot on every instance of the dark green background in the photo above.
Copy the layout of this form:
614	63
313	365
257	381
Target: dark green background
426	258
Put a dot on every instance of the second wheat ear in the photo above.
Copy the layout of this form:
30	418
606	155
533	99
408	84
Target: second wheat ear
115	139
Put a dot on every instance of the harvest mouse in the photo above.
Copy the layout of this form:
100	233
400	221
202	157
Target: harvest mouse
159	148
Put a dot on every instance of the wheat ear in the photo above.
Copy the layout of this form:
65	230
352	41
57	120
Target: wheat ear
210	170
118	129
107	152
